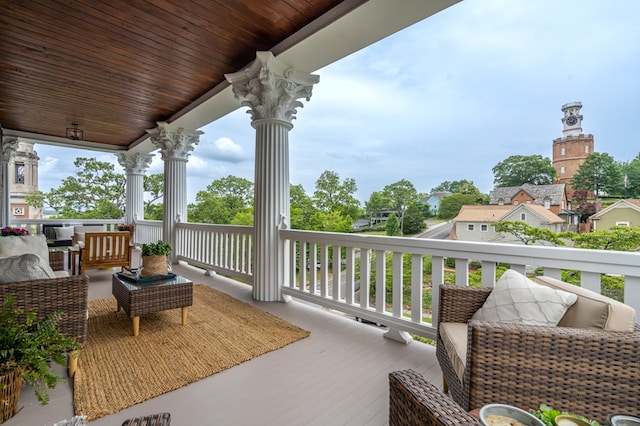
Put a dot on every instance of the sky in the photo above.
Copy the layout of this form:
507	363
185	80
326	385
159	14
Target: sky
445	99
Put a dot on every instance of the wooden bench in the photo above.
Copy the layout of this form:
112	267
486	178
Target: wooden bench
105	249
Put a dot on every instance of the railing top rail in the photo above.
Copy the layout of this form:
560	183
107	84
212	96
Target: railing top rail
238	229
602	261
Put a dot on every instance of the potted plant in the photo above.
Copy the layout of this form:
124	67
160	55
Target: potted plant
27	347
154	259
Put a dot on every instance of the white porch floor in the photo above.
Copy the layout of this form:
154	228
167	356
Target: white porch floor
337	376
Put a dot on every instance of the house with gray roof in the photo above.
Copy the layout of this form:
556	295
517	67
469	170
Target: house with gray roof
433	200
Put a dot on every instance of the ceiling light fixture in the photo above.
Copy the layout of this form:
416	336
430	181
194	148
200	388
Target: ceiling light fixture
74	133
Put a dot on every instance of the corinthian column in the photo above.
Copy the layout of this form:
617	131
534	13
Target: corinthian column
175	148
9	148
271	90
134	166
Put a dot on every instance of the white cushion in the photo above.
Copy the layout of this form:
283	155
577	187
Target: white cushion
25	267
13	246
518	300
63	233
79	231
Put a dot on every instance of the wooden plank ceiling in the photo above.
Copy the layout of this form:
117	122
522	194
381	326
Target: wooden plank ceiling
117	67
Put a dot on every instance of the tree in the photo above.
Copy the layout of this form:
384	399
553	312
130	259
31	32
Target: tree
528	234
332	221
520	169
392	226
377	202
96	191
400	194
413	220
331	194
453	186
599	173
631	179
222	200
451	204
154	187
302	208
583	206
622	238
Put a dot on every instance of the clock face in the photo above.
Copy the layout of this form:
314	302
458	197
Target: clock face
572	120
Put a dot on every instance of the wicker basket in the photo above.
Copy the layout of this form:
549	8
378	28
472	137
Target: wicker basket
10	385
153	266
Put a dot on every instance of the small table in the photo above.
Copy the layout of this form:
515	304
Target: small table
144	298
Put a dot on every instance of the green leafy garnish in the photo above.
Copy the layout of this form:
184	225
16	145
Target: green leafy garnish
548	416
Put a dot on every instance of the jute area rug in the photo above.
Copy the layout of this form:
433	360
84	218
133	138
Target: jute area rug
117	370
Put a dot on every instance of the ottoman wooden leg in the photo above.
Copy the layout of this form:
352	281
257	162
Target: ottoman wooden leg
184	315
136	325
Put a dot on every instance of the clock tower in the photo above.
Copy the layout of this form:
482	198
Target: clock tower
570	151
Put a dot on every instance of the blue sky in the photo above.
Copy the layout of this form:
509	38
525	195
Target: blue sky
446	99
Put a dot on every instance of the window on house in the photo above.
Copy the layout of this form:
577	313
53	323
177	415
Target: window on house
501	202
19	172
515	203
547	203
562	170
528	201
471	227
586	149
562	151
484	227
523	216
623	224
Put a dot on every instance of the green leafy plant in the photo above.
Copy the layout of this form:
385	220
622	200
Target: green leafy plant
156	249
30	346
548	416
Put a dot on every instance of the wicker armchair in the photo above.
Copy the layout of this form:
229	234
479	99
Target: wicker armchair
591	372
160	419
414	401
68	295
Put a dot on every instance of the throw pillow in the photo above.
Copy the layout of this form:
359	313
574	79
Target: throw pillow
63	233
25	267
518	300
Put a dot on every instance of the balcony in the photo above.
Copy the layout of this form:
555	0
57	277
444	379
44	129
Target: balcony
339	374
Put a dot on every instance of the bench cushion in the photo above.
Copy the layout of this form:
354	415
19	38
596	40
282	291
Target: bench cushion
592	310
14	246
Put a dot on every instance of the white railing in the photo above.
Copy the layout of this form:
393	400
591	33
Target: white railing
147	231
325	267
35	225
225	249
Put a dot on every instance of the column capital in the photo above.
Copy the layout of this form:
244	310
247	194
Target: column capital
9	147
174	144
134	163
271	89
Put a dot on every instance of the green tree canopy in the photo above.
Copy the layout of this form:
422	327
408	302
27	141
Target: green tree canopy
154	188
96	191
622	238
452	186
392	226
599	173
377	202
631	186
302	208
333	195
451	204
528	234
222	200
520	169
413	220
401	194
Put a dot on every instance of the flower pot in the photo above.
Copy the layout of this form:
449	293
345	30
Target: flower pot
10	385
154	265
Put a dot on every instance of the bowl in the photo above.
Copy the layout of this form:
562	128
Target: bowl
508	411
568	420
623	420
